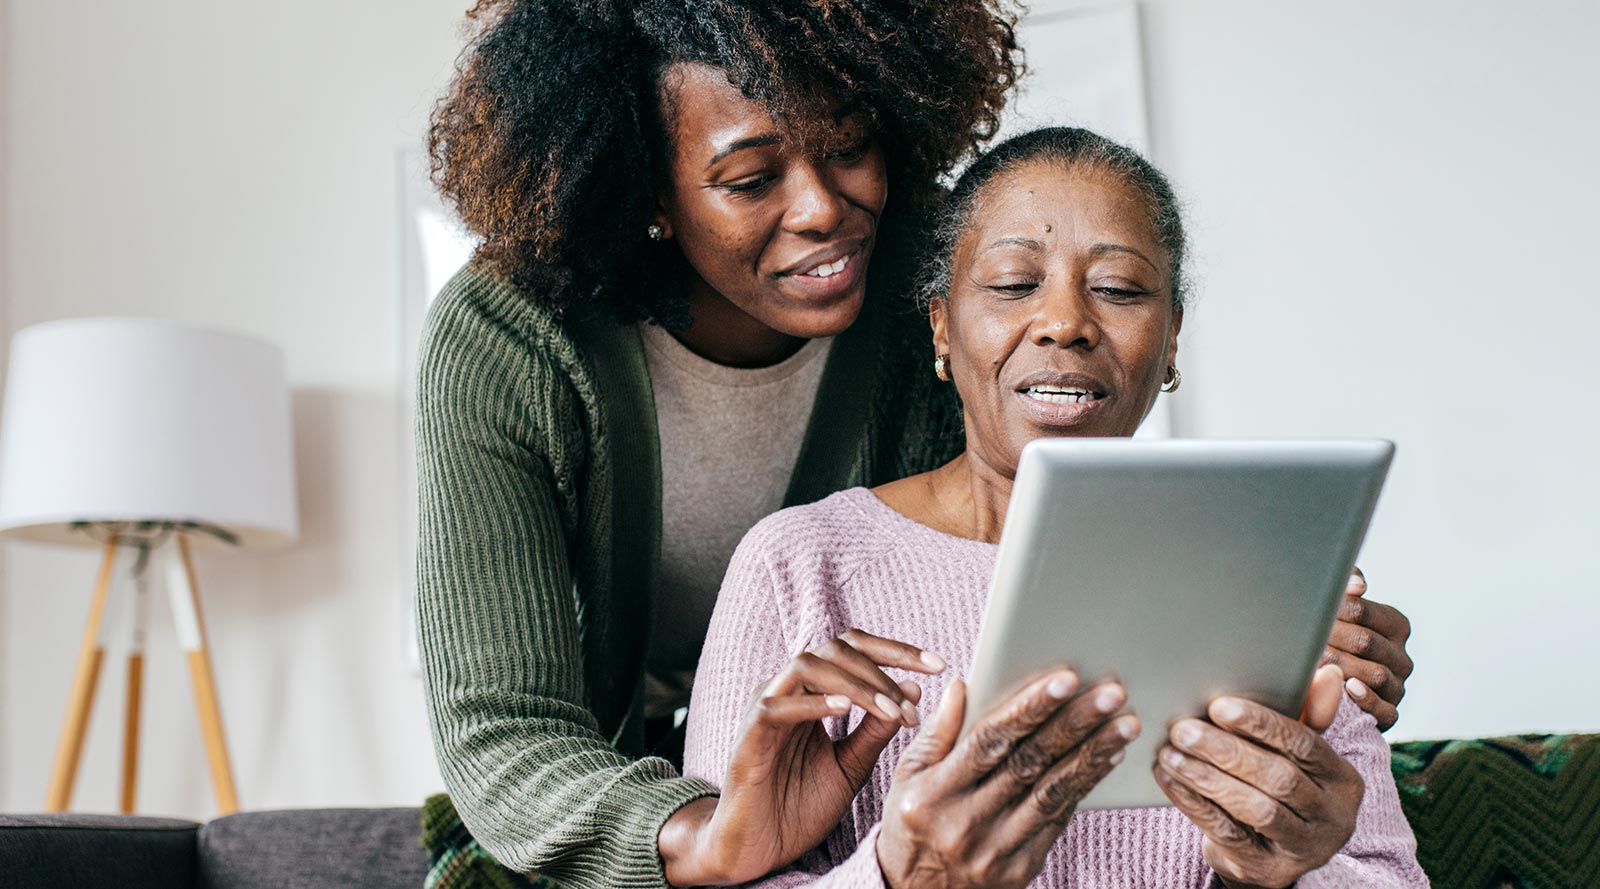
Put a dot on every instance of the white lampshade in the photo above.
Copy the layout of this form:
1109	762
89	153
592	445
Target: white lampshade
122	419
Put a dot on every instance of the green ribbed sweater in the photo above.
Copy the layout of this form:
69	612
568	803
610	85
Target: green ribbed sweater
540	486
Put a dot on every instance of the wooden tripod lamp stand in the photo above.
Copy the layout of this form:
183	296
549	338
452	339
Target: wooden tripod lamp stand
144	437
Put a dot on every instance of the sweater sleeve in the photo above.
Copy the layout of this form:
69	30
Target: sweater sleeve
499	622
747	643
857	870
1383	851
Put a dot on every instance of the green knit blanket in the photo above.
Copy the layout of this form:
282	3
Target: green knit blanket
456	861
1519	812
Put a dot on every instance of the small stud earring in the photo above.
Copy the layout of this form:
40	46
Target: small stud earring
941	367
1174	379
655	232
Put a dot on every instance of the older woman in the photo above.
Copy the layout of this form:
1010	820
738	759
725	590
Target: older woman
1057	298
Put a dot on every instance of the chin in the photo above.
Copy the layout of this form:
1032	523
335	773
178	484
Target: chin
816	321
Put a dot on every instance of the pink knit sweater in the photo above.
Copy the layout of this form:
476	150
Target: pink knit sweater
807	574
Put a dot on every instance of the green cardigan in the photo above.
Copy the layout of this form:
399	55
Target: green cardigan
540	478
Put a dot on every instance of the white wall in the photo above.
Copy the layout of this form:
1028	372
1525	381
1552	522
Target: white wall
1395	212
230	164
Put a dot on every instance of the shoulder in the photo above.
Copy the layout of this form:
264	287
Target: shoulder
493	358
821	543
479	315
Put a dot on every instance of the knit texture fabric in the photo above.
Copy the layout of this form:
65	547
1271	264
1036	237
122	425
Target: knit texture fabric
457	861
805	575
539	477
1521	812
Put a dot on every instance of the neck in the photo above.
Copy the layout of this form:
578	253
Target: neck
971	498
724	333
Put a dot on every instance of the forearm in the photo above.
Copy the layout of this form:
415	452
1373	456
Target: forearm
586	818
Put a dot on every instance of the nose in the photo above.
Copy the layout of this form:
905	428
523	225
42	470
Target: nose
1064	317
817	206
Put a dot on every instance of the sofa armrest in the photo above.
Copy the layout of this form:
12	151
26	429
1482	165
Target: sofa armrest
69	850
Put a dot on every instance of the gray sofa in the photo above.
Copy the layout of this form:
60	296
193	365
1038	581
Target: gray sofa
290	849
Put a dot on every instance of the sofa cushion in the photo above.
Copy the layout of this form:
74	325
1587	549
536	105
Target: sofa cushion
313	849
73	851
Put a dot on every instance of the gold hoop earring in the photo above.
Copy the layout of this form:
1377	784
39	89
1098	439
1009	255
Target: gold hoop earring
656	232
941	367
1174	379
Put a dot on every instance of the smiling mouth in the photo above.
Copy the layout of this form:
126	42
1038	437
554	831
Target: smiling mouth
829	269
1062	394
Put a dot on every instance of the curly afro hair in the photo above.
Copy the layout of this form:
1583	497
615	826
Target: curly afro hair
550	142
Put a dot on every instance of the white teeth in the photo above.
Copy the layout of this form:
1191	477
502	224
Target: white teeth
1050	395
829	269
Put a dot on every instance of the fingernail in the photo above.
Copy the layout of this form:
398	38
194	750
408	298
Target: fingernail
1062	686
934	662
837	702
1186	733
888	706
912	718
1228	709
1109	699
1170	758
1128	728
1117	758
1356	687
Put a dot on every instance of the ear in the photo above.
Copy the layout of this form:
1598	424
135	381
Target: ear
1172	336
662	215
663	218
938	315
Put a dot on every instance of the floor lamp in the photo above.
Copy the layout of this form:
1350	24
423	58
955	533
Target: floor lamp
144	438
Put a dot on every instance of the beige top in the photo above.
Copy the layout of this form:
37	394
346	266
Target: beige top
729	440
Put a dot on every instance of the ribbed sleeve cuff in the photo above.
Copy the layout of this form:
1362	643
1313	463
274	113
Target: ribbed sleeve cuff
639	813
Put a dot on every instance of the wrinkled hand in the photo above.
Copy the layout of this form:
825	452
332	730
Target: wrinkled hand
789	781
984	810
1271	796
1369	645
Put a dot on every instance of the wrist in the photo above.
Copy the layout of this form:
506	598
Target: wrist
681	843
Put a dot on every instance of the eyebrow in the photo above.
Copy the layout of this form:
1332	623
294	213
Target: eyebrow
1025	243
840	115
1102	249
741	145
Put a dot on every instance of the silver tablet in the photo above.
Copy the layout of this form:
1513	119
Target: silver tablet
1187	569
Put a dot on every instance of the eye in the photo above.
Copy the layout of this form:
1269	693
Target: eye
751	186
1013	288
1122	294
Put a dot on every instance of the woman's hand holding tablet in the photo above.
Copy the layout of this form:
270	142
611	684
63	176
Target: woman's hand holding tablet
984	810
1271	796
